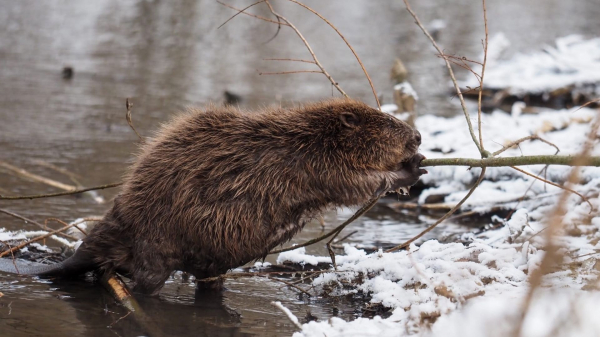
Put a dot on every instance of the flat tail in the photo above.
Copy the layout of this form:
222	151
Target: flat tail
75	265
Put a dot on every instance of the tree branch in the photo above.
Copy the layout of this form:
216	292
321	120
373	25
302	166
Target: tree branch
349	46
335	84
512	161
38	196
456	87
446	216
334	231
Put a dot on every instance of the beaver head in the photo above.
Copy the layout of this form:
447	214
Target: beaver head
357	136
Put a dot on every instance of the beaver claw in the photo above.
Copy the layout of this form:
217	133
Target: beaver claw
408	175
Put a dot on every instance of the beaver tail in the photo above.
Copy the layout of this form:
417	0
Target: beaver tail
77	264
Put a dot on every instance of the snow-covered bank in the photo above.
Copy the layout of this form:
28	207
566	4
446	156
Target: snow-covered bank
475	287
573	62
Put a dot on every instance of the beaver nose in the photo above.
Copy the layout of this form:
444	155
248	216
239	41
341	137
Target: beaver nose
418	137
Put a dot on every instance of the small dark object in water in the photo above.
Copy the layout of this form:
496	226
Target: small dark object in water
231	98
67	73
218	188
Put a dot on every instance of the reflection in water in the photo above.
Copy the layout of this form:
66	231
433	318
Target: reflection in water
166	55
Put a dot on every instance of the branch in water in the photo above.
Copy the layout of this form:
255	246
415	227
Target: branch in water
38	196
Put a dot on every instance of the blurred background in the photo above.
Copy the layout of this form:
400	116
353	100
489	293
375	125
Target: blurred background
66	67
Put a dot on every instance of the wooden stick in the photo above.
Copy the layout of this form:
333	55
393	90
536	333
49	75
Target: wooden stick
31	176
50	195
15	215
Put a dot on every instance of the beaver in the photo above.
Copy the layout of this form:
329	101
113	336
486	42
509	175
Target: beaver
217	188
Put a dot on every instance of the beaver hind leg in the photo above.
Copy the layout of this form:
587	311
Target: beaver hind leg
149	273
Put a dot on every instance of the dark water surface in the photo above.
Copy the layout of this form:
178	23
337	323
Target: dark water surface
166	55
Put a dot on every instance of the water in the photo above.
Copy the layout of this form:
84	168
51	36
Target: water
169	55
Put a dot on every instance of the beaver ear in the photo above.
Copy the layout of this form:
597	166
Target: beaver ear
349	119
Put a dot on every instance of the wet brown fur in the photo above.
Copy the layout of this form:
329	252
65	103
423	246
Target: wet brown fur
217	188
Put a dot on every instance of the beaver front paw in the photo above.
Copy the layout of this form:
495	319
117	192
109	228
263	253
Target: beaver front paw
408	175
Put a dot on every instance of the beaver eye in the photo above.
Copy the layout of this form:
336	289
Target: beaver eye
349	119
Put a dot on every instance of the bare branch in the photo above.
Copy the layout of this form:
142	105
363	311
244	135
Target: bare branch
335	84
519	141
366	207
450	212
128	106
242	11
14	249
291	72
456	87
349	46
512	161
289	284
15	215
65	224
485	52
50	195
554	184
293	60
31	176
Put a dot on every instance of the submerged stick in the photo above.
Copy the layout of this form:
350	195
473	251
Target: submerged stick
288	313
119	290
32	176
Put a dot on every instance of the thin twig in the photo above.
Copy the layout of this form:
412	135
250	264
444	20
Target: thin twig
463	59
12	254
119	319
64	224
291	72
255	274
242	11
50	195
456	87
6	252
74	177
347	236
365	208
310	275
519	141
292	60
335	84
128	106
349	46
556	185
290	285
454	209
485	52
15	215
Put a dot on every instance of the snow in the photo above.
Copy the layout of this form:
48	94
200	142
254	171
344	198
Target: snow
477	287
407	89
464	289
573	61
